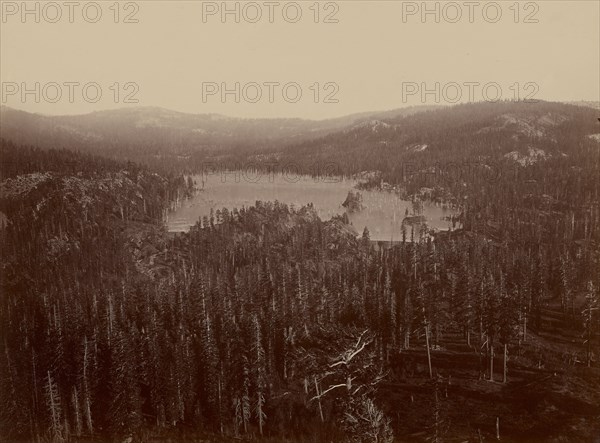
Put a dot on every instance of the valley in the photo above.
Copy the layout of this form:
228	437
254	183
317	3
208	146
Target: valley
148	301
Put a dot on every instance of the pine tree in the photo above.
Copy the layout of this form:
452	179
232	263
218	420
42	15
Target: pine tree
259	374
53	404
590	313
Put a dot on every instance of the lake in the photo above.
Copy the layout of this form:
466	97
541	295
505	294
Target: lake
383	211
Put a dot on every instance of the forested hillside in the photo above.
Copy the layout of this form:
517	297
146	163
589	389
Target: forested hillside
267	323
468	132
521	172
65	244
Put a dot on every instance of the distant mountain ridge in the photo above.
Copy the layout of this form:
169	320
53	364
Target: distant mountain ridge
164	130
526	133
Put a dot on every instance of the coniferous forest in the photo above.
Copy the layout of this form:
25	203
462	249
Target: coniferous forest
267	323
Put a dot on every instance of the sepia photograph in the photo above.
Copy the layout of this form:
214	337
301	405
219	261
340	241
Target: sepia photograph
312	221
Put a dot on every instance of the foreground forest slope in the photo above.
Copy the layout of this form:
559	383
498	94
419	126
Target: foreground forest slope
267	323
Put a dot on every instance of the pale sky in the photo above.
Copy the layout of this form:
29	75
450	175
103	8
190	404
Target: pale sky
378	56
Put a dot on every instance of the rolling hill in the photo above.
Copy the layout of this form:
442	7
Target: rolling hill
137	130
492	131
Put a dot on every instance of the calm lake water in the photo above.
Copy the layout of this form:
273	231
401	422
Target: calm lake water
383	212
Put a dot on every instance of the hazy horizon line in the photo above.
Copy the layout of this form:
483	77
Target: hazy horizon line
341	116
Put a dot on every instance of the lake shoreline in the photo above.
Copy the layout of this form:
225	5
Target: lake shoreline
387	216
